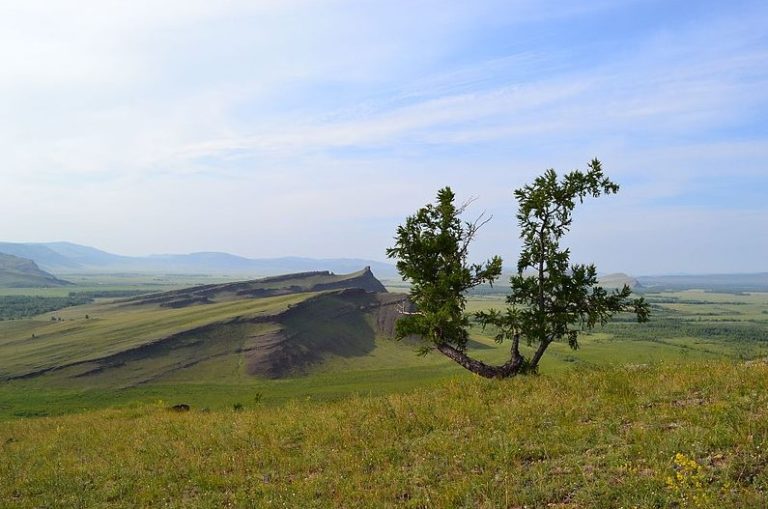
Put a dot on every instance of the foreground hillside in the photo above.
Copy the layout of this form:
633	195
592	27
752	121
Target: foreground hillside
691	435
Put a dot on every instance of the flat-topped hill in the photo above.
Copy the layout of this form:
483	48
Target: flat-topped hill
18	272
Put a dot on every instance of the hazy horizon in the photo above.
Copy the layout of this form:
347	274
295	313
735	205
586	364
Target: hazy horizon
508	266
313	129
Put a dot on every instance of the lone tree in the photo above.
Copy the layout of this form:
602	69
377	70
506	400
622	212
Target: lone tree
550	300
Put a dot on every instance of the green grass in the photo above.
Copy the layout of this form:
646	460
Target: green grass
672	435
389	368
109	330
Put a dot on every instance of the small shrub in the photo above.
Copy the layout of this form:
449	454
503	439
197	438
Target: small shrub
689	482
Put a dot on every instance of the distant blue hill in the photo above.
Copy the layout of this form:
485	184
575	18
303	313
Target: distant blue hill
753	282
69	258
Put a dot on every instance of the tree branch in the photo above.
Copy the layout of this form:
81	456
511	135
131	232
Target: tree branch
472	229
509	368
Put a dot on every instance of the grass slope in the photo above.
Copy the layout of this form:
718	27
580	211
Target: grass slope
687	435
114	328
269	327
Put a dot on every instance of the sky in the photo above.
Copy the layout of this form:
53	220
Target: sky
313	128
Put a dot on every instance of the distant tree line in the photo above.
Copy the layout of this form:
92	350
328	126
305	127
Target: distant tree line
721	330
14	307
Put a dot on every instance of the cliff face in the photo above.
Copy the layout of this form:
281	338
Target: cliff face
343	323
17	272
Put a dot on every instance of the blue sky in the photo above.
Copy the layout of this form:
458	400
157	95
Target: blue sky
313	128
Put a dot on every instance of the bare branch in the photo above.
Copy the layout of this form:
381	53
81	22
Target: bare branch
464	206
472	229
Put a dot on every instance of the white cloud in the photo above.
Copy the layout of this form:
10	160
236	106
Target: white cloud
171	126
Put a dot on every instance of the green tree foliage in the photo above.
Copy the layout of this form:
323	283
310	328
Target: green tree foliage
23	306
431	252
550	300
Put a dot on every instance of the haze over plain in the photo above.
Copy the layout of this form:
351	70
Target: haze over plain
270	129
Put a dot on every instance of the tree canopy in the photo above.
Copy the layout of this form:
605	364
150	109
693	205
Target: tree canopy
550	299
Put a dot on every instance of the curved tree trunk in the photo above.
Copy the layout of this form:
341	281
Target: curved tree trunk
539	353
510	368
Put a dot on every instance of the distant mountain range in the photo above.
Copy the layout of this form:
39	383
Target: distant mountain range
754	282
64	258
69	258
